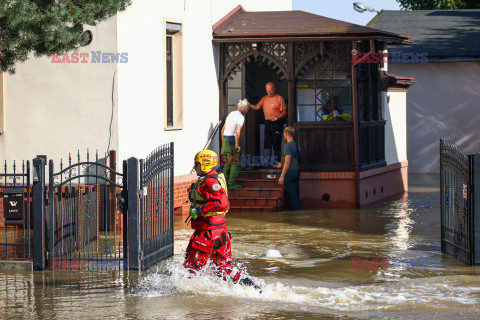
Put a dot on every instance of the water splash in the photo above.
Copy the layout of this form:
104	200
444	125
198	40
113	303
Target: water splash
269	254
172	279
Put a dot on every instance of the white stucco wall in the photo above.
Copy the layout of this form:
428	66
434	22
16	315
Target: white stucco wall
141	81
56	108
395	115
444	103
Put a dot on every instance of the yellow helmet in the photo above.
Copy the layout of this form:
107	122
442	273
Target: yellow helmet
208	160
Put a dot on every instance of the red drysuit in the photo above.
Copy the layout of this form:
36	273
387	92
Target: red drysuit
211	239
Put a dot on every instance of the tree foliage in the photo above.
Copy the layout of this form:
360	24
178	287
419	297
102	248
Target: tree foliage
439	4
43	26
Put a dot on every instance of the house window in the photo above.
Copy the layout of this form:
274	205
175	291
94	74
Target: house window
2	105
235	88
324	93
169	81
173	76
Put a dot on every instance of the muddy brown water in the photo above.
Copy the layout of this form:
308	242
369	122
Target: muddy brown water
314	264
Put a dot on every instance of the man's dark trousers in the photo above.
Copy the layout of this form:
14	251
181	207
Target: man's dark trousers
292	191
273	137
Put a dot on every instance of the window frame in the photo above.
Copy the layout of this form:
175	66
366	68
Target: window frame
176	88
2	103
330	87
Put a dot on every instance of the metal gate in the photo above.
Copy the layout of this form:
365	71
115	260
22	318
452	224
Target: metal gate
155	207
15	191
83	223
91	216
456	214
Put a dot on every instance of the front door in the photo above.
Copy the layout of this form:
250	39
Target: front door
247	80
257	74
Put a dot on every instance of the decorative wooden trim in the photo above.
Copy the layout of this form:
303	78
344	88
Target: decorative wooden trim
235	53
306	52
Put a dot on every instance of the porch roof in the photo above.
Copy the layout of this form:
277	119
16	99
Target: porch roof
242	26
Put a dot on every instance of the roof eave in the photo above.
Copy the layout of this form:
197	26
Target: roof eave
395	80
306	37
238	9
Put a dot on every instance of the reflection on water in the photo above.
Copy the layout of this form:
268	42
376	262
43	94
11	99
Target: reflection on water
303	261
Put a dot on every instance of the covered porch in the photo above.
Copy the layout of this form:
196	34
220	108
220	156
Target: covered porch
349	113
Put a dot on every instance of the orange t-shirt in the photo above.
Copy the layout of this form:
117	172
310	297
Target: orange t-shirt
272	106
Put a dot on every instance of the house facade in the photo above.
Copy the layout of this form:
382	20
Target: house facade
169	89
445	60
189	62
57	105
349	112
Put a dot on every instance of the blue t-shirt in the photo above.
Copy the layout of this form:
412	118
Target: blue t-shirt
292	149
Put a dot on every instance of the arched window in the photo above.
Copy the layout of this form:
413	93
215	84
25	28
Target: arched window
324	92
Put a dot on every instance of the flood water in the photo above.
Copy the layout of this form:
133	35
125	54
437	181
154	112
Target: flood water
311	265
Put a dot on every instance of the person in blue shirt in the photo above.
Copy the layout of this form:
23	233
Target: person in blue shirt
290	176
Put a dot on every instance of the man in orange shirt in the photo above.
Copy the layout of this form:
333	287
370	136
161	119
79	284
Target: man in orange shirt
275	110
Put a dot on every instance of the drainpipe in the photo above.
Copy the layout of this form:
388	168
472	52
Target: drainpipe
356	121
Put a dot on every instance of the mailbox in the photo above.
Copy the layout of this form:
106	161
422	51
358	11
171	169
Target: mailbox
13	206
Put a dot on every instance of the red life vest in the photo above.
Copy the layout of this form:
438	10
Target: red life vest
209	196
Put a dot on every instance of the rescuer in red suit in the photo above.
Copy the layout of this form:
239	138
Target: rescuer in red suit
209	205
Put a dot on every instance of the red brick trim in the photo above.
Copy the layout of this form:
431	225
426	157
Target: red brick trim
377	171
180	200
327	175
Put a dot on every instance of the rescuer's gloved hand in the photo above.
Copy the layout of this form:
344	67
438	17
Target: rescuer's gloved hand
194	213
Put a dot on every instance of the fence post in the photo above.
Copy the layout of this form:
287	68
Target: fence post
51	206
442	201
125	213
172	190
475	206
38	190
133	215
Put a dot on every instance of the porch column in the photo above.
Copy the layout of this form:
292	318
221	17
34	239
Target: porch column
291	85
221	85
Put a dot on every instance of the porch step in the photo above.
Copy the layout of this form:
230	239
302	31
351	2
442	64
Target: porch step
256	202
256	192
259	174
260	193
258	183
256	209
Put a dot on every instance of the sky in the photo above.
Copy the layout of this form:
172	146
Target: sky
343	9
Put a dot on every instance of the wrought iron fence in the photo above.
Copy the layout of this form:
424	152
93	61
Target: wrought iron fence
455	193
15	192
83	223
91	216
